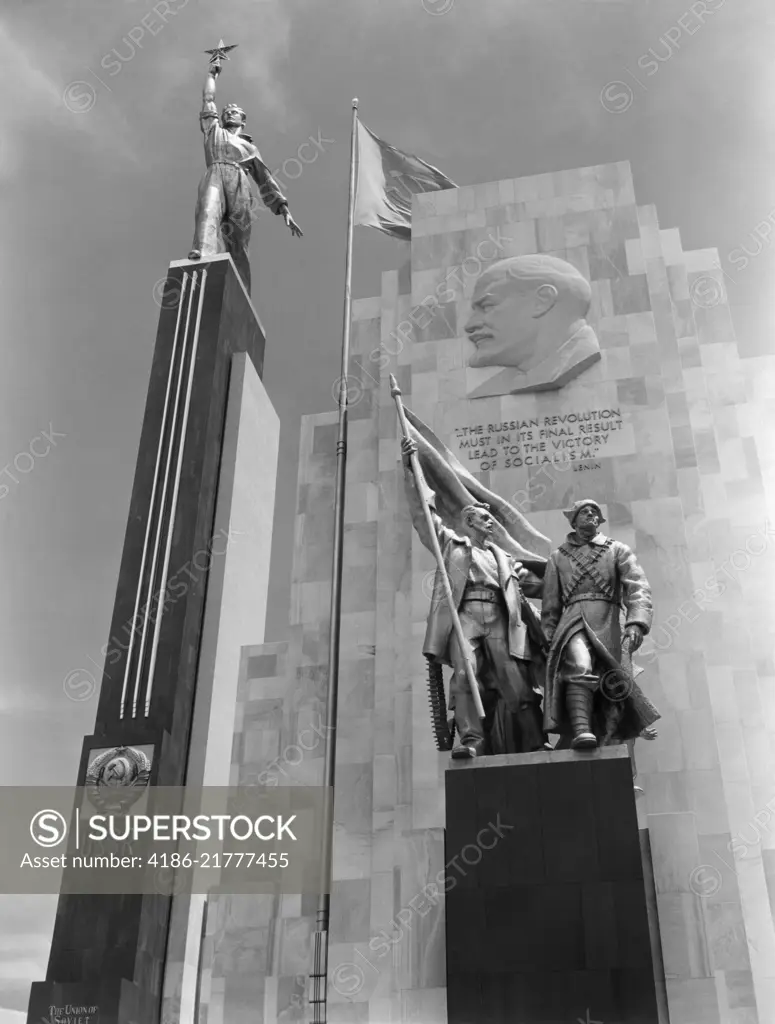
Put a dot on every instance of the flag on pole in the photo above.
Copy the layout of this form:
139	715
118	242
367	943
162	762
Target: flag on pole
387	180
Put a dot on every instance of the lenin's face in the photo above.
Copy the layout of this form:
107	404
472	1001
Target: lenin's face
503	324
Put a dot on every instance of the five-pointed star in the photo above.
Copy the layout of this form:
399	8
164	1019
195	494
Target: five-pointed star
220	51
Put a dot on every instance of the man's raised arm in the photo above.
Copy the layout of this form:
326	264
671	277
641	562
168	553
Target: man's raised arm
415	501
209	109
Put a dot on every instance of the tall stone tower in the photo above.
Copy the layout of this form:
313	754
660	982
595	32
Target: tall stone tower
192	590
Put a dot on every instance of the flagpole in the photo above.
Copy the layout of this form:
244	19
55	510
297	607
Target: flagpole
319	975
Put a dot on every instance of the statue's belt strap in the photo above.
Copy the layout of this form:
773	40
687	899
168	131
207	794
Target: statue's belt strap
590	596
489	594
590	579
229	163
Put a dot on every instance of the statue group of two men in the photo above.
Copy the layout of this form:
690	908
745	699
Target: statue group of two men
576	653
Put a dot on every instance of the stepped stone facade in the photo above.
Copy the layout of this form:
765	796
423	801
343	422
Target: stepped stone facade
685	477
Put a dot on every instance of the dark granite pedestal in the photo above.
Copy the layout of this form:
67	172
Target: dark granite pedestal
547	922
108	952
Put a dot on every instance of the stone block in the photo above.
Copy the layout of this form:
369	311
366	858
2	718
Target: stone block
553	915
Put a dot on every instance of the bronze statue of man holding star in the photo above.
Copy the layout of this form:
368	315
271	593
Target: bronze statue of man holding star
224	204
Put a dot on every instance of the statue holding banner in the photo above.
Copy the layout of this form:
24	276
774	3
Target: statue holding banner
480	622
499	626
591	696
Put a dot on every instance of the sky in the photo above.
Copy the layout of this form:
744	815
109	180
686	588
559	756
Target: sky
100	157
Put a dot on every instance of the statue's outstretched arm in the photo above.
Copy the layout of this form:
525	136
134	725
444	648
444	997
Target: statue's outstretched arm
270	193
268	188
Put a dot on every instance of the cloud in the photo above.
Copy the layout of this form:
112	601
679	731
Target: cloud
258	74
263	31
35	100
264	36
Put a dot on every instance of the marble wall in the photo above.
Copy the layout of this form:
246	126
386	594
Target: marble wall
686	478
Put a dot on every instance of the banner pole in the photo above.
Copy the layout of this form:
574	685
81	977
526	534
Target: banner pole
465	646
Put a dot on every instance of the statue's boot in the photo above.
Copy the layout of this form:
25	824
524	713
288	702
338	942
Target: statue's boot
195	254
578	700
466	751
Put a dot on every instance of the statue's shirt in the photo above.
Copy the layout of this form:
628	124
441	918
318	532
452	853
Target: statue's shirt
484	568
221	144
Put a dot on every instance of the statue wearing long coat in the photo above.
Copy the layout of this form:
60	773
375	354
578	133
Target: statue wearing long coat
586	587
